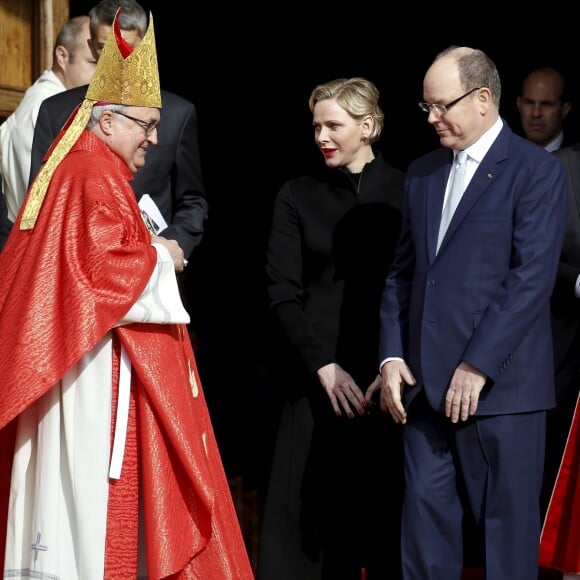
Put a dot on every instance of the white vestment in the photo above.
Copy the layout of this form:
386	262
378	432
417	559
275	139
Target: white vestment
57	517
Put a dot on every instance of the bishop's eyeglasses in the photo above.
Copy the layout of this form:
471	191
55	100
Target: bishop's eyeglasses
440	110
147	126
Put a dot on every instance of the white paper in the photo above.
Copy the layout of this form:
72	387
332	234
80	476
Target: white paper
151	214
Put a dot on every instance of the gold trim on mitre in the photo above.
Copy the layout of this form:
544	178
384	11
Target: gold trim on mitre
132	80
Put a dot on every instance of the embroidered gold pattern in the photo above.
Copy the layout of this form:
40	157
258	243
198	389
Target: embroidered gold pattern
129	81
40	184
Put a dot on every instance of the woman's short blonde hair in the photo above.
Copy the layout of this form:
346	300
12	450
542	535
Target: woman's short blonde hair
358	96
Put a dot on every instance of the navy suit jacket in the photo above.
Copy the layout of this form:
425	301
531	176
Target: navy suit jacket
172	172
484	297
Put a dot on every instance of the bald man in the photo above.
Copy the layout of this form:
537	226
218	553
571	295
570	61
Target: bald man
73	65
465	329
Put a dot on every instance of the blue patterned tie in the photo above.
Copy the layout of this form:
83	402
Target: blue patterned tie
454	196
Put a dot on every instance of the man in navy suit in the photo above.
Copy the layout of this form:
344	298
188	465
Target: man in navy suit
172	175
466	348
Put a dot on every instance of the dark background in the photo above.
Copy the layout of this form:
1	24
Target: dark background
250	72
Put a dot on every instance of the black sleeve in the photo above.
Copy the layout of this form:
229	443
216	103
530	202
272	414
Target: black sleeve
43	137
52	115
190	205
285	288
5	223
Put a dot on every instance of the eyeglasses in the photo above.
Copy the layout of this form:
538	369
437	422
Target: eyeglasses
440	110
148	127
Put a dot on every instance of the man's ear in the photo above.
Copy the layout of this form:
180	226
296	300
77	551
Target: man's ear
61	56
484	99
106	122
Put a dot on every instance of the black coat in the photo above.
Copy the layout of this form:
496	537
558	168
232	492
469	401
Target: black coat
334	495
329	249
172	172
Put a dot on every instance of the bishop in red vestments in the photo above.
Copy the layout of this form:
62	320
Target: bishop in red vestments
110	465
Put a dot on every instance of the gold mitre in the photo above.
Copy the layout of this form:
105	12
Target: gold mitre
123	76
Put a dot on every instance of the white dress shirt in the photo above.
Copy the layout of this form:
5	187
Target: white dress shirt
555	143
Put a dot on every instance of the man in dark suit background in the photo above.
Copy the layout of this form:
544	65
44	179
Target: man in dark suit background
565	306
471	319
544	104
172	175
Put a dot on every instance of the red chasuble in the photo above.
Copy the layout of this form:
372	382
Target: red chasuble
64	285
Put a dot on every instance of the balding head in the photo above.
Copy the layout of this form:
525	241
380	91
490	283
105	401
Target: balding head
72	59
461	90
543	105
